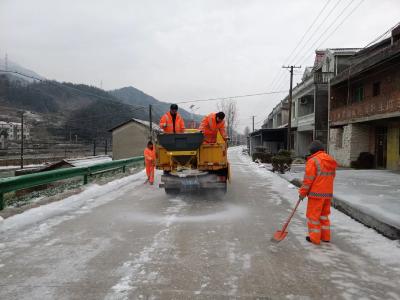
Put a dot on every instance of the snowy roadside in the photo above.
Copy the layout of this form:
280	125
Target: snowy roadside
367	240
19	202
369	196
93	195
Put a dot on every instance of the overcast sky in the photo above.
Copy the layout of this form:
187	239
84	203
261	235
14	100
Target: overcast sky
187	49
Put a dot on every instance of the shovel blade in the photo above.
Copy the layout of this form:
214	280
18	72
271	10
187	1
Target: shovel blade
279	236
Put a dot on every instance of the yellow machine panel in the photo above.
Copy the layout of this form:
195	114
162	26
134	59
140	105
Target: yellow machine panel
212	157
190	165
163	159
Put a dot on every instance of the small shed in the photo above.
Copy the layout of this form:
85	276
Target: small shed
65	163
270	139
130	138
78	162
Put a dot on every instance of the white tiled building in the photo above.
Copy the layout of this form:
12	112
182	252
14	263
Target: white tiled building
12	131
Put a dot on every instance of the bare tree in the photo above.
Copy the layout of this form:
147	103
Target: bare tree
246	131
230	110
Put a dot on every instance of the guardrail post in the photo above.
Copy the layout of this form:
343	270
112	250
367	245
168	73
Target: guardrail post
2	202
123	168
85	179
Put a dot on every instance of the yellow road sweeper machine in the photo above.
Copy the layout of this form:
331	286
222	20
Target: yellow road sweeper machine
190	165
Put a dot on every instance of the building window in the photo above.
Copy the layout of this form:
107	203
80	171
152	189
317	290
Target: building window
358	95
376	89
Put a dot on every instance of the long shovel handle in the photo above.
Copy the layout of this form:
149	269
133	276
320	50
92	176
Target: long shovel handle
291	216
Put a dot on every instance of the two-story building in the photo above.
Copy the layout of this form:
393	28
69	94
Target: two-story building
13	130
365	106
279	116
310	98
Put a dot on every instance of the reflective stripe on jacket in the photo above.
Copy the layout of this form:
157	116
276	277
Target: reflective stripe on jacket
168	127
210	128
319	176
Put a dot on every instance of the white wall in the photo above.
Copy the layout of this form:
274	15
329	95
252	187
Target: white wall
355	139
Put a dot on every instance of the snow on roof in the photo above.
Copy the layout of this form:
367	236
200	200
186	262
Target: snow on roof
142	122
147	123
88	161
78	162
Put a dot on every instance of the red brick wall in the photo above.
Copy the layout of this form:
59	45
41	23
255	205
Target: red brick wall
387	102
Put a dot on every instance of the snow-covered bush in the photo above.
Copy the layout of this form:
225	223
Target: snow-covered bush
282	162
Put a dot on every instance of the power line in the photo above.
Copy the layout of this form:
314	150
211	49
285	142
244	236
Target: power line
311	36
301	40
341	23
327	28
308	29
66	85
231	97
304	55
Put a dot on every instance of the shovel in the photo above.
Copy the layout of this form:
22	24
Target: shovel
281	234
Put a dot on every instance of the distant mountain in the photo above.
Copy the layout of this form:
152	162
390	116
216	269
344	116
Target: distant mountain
87	111
78	109
83	110
12	66
132	96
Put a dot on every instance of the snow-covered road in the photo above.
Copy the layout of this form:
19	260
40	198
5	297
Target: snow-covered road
127	240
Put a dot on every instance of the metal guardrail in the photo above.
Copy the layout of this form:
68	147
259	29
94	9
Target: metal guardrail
11	184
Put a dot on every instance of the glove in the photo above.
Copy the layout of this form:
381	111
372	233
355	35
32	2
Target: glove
301	197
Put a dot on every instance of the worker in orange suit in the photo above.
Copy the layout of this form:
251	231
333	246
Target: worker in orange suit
318	187
211	125
172	122
150	161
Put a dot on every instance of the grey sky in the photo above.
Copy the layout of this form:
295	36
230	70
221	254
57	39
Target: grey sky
180	50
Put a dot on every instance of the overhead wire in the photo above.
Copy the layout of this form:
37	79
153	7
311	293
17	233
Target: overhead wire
331	25
310	37
306	53
231	97
67	85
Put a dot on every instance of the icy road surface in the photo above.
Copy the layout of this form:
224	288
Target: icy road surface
127	240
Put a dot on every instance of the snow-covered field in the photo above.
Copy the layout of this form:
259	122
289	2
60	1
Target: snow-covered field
83	201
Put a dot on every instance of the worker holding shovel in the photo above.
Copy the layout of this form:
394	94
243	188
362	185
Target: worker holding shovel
318	187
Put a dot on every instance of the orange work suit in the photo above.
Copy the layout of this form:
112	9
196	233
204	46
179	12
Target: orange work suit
210	128
150	161
167	125
318	187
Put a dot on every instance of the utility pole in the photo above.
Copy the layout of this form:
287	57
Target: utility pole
94	147
22	140
150	122
289	133
253	122
328	133
6	62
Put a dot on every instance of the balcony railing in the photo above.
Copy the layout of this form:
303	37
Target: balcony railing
367	108
322	77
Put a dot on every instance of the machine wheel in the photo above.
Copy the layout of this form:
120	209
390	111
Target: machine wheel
224	189
172	191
